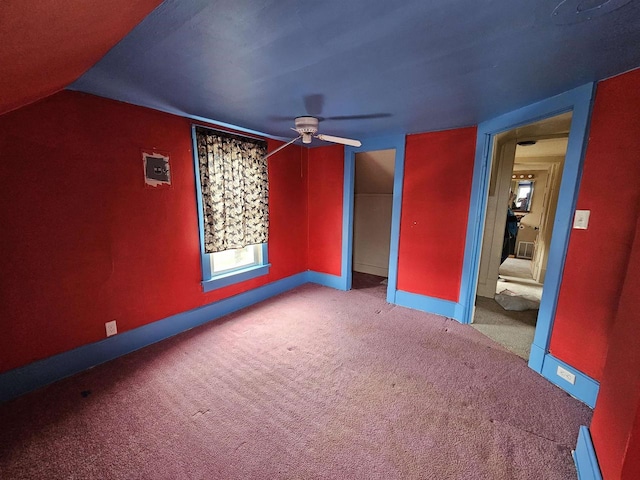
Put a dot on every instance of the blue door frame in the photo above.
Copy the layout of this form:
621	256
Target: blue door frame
579	102
395	142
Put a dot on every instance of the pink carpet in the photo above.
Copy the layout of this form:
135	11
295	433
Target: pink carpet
313	384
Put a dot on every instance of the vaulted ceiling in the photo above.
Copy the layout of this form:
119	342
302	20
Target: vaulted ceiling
47	44
397	67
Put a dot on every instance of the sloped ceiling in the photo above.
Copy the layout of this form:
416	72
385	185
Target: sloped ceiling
398	67
47	44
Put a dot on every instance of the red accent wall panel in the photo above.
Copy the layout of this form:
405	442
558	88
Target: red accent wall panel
438	171
85	241
614	429
597	257
287	210
326	180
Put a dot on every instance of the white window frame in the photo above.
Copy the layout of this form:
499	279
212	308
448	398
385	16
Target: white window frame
228	265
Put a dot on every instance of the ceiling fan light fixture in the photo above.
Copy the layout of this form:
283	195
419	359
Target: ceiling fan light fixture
306	125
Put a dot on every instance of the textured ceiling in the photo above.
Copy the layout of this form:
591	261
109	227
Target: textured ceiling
401	67
47	44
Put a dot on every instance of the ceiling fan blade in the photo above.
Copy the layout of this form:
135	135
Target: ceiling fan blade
343	141
368	116
279	118
281	147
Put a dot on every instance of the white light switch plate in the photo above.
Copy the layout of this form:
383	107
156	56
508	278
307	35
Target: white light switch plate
581	219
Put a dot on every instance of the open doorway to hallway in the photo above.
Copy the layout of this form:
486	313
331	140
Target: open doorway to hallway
525	179
372	212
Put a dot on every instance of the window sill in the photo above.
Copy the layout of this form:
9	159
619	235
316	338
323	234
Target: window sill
236	276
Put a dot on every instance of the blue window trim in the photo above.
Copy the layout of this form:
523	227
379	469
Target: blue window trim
209	281
235	276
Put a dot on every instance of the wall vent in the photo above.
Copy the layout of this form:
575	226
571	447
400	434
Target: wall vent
525	250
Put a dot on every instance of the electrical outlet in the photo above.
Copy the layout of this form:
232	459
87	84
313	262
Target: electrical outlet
566	375
111	328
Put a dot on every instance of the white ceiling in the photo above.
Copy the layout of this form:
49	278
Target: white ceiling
552	147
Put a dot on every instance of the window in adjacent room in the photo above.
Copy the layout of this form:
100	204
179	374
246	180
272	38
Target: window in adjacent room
233	205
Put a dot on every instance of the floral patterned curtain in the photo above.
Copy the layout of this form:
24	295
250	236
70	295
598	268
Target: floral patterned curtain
235	190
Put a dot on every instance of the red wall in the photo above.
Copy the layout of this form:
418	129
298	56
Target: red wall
597	258
435	205
85	241
616	440
631	468
287	211
326	184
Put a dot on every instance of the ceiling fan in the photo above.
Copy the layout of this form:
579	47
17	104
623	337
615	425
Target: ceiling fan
307	128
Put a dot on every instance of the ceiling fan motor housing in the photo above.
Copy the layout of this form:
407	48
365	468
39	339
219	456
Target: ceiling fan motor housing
307	127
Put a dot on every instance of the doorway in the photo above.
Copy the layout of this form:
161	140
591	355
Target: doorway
579	102
372	218
524	185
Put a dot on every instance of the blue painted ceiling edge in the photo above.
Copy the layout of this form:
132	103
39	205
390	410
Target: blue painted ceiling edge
368	68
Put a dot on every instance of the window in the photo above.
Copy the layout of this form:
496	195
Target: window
523	191
233	192
230	260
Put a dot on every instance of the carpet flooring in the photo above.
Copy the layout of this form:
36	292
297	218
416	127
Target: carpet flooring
512	329
313	384
515	275
360	281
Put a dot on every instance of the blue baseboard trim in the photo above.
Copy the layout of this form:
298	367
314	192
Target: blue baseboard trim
584	389
328	280
43	372
438	306
585	457
536	358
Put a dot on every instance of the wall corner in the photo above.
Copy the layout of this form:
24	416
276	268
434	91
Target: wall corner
585	457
